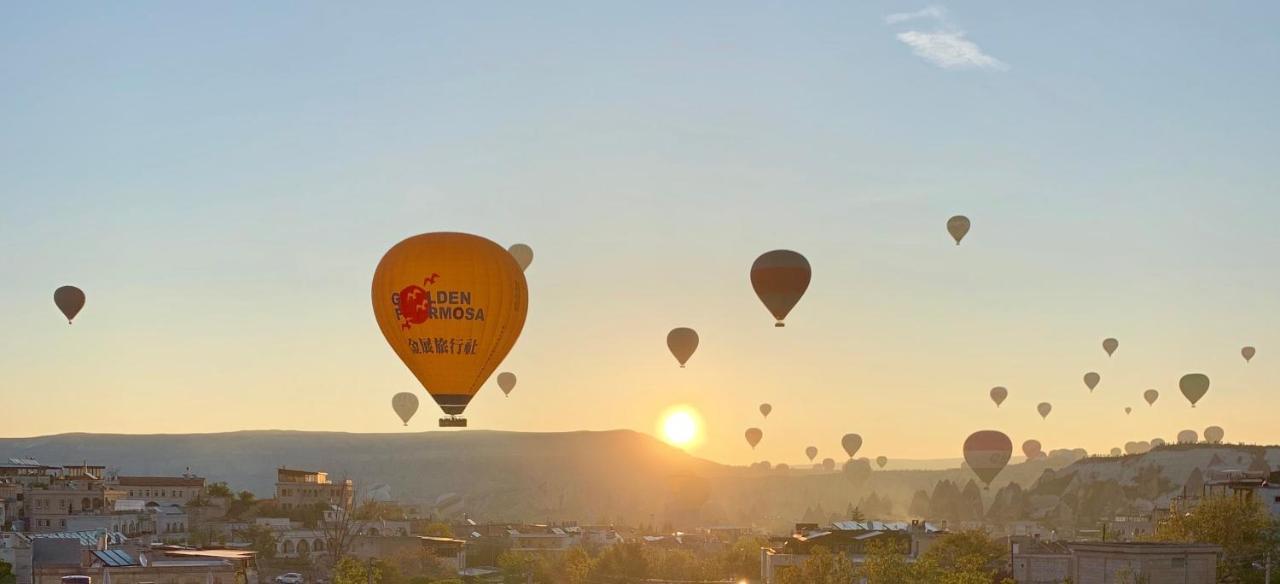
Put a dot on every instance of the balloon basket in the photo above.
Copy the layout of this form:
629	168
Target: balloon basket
453	422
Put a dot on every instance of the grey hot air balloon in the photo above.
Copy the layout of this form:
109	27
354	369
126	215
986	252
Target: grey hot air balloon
881	461
1188	437
1031	449
1044	408
1194	386
1156	442
507	382
987	452
765	409
1214	434
811	452
405	404
828	464
523	255
753	436
1128	410
1091	380
1151	396
958	227
1248	353
998	395
1110	346
780	278
851	443
682	342
1116	452
69	300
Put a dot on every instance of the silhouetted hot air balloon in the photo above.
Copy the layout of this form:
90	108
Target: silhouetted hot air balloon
682	342
811	452
506	382
1091	380
780	278
1110	346
451	305
881	461
405	404
1248	353
1127	410
753	436
1194	386
523	255
1044	408
828	464
1116	452
1155	442
1214	434
1151	396
1188	437
958	227
987	452
998	395
765	409
1031	449
69	300
851	443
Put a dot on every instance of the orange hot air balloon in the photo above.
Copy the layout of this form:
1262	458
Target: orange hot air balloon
753	436
682	342
987	452
69	300
780	278
451	305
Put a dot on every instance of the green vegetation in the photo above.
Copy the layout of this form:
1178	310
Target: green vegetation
260	539
967	557
6	573
633	562
1242	526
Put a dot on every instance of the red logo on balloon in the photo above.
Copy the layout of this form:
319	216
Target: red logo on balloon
415	306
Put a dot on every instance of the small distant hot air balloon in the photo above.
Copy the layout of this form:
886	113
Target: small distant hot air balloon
881	461
1214	434
1151	396
1031	449
780	278
507	382
523	255
451	305
765	409
1110	346
851	443
1091	380
1116	452
1194	386
682	342
753	436
811	452
1248	353
1188	437
69	300
828	464
958	227
1128	410
405	404
1155	442
987	452
998	395
1044	408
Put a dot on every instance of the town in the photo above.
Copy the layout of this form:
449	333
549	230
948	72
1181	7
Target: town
86	524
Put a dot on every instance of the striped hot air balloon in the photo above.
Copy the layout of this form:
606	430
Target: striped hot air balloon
987	452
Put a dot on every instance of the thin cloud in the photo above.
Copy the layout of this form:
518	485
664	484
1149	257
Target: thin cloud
950	50
934	12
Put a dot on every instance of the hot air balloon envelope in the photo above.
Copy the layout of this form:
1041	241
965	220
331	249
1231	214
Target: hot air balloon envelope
506	382
998	395
1110	346
1031	449
1151	396
753	436
1044	408
1194	386
405	404
1091	380
1248	353
958	227
851	443
69	300
765	409
881	461
682	342
1214	434
780	278
523	255
987	452
451	305
811	452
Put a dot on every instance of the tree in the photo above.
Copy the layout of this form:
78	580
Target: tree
339	527
1241	525
919	505
260	539
6	573
624	562
967	551
885	564
822	567
218	490
438	529
742	560
349	570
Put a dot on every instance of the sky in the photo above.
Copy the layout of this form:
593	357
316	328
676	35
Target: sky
222	180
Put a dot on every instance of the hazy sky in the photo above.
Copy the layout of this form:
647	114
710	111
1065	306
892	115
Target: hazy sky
222	180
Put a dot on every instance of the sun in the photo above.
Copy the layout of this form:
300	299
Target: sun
681	426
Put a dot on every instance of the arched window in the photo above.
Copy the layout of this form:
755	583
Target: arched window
288	546
85	504
373	531
304	548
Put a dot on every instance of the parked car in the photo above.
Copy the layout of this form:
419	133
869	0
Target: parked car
289	578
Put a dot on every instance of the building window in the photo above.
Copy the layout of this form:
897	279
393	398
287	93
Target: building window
1178	563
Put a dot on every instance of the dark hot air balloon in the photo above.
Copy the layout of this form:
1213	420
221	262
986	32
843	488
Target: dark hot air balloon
1110	346
69	300
1248	353
987	452
881	461
1194	386
998	395
765	409
958	227
1151	396
1031	449
523	255
1044	408
811	452
506	382
753	436
780	278
1091	380
682	342
851	443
